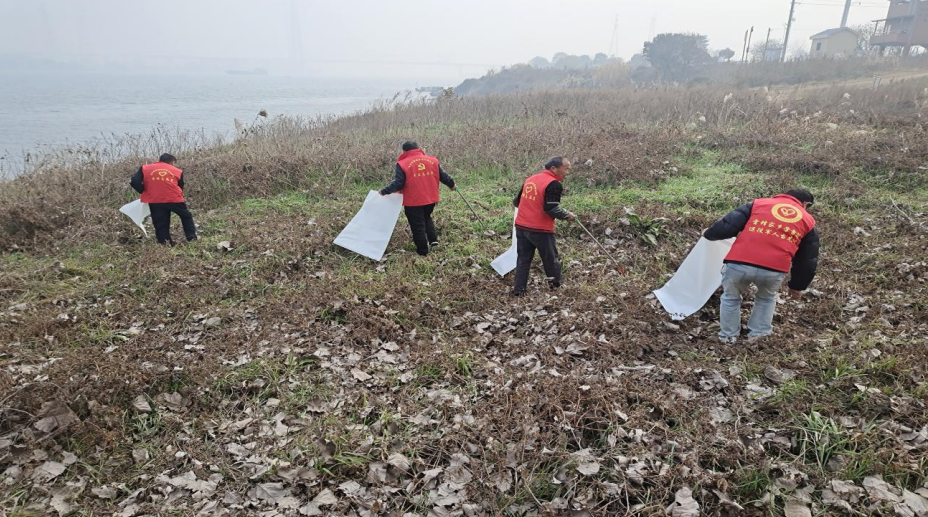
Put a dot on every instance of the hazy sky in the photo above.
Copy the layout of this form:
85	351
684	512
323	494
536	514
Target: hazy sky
392	38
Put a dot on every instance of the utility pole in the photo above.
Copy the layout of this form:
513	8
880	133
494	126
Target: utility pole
614	44
747	54
789	27
744	47
847	10
766	46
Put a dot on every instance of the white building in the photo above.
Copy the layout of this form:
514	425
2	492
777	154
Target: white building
834	43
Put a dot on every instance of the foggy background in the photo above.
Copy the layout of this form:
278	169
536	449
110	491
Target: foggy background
417	40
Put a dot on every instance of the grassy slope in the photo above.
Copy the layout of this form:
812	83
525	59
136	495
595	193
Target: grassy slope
452	361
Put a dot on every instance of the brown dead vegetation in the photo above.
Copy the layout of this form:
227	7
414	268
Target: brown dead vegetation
285	376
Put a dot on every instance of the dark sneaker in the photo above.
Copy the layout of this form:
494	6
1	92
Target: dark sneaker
433	244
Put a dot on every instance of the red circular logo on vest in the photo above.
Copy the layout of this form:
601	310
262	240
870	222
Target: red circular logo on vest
787	213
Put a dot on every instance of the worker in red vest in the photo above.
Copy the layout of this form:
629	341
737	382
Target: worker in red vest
775	236
161	185
539	204
417	176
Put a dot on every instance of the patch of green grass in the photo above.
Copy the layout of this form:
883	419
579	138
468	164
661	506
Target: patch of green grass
840	369
751	484
820	438
429	373
791	391
290	203
144	426
464	365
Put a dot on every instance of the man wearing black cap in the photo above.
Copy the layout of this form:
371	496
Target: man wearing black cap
417	176
161	185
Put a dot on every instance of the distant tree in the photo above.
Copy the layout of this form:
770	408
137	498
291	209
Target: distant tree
677	57
639	61
557	57
726	54
799	51
600	59
865	33
570	62
539	62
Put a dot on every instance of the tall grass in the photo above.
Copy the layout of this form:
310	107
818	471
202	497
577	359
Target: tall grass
628	134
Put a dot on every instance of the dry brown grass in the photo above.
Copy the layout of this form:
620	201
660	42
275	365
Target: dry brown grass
455	367
627	133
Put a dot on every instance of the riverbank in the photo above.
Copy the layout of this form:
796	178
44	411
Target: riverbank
261	369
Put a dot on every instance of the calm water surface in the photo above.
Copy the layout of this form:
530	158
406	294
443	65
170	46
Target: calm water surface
42	110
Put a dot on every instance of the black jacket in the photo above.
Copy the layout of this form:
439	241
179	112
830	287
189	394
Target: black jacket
805	262
399	180
138	181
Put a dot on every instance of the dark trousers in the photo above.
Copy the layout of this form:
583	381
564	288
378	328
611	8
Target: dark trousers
526	244
422	226
161	219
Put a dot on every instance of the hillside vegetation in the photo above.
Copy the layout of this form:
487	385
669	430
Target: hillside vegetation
616	74
261	370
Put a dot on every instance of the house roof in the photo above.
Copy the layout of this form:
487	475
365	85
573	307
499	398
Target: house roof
830	32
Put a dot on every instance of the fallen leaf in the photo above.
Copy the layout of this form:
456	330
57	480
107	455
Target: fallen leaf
917	503
683	504
881	490
55	415
720	415
399	461
360	375
141	404
588	469
48	471
105	492
326	497
726	500
797	509
274	492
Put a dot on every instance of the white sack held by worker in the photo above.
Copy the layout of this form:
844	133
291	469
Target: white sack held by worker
369	231
696	279
506	262
138	212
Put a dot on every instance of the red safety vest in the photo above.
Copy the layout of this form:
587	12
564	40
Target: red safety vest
532	214
422	178
160	183
772	235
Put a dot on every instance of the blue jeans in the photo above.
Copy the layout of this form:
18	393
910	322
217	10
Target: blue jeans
736	280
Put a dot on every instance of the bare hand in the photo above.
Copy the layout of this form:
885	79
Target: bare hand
795	295
571	217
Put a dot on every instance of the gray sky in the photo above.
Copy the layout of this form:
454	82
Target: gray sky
391	38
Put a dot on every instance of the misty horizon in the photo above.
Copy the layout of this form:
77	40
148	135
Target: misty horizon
409	39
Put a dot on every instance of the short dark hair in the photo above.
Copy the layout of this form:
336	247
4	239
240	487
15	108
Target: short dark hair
409	145
803	195
557	161
167	158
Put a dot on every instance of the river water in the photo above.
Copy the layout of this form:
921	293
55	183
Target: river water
39	111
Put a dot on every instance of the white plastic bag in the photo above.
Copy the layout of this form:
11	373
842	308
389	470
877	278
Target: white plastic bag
369	232
696	279
506	262
138	212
